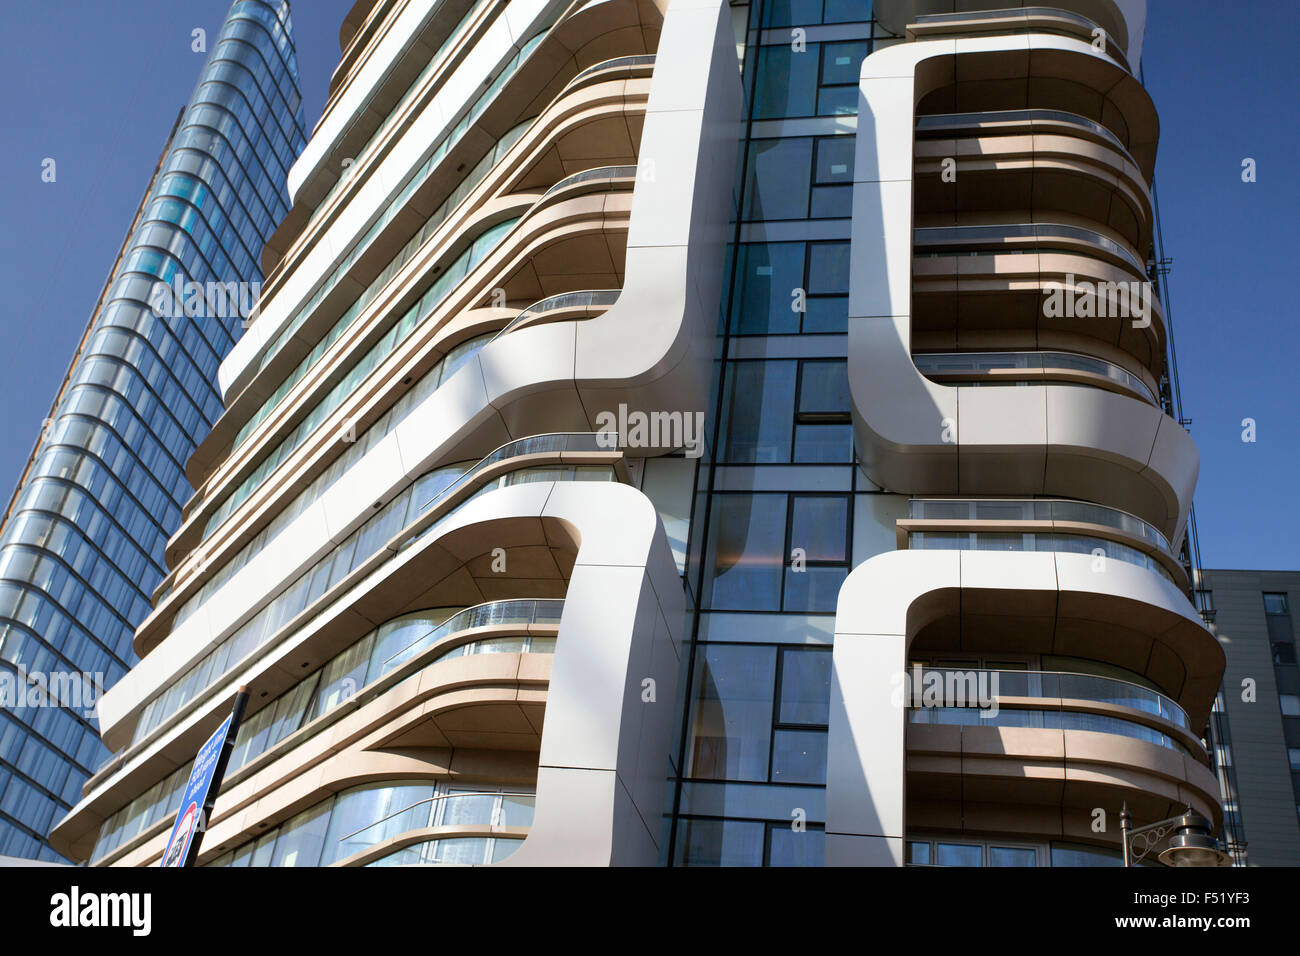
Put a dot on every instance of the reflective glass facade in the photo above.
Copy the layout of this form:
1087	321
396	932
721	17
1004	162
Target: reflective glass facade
81	550
781	513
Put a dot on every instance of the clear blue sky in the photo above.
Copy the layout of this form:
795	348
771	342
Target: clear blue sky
97	85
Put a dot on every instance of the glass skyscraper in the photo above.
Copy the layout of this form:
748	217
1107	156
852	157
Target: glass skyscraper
83	540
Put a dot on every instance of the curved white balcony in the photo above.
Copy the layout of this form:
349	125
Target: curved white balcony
919	436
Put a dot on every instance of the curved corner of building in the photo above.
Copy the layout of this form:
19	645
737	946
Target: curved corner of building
1045	602
651	350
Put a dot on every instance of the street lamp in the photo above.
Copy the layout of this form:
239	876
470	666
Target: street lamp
1192	843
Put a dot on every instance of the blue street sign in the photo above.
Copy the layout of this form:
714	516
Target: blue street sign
198	795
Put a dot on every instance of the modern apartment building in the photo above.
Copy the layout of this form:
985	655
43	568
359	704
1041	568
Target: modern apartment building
83	538
1252	614
691	433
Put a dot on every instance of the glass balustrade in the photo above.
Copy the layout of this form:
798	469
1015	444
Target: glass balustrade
1064	686
431	492
953	365
993	239
939	123
376	655
1047	720
588	300
455	809
1037	509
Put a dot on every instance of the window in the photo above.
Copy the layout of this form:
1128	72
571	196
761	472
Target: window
703	842
759	411
789	287
774	552
785	13
832	191
746	552
760	713
789	847
1079	854
958	854
720	843
799	178
946	852
819	80
1275	603
1293	755
799	756
805	688
731	723
1290	705
819	551
777	179
1013	856
777	412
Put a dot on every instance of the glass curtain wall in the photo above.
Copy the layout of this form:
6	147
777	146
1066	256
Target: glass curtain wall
81	548
781	512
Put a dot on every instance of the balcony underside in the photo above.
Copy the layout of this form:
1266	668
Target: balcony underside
1046	784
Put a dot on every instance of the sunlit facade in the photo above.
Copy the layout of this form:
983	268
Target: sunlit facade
645	398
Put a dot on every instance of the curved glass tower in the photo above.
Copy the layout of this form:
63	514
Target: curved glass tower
82	543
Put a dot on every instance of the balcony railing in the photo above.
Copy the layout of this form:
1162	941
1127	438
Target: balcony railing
470	809
966	368
997	239
1049	720
453	851
1060	711
1064	685
533	445
275	722
589	300
408	510
1037	509
628	63
947	123
521	614
601	174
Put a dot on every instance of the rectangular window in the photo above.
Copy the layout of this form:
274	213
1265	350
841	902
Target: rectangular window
805	686
799	756
787	287
731	721
778	179
959	854
786	13
1012	856
785	81
758	414
720	843
799	178
746	552
818	549
790	847
768	273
